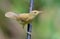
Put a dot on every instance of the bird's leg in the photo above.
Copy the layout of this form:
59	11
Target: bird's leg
23	26
22	23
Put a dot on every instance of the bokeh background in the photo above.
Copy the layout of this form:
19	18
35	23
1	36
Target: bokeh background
44	26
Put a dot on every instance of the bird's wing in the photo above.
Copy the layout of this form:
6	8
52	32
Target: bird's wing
23	17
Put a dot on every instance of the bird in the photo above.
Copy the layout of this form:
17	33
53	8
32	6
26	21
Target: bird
23	18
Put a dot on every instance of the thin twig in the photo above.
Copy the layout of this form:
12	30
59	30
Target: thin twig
29	28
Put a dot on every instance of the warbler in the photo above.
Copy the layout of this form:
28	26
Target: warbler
24	18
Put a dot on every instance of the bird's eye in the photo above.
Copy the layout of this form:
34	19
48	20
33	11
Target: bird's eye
34	12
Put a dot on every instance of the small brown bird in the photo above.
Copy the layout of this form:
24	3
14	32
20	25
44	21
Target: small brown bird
24	18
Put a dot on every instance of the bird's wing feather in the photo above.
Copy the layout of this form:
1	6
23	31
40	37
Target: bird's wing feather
23	17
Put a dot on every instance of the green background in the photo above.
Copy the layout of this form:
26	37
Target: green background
44	26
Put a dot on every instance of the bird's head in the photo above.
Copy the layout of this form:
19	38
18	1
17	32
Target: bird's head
35	12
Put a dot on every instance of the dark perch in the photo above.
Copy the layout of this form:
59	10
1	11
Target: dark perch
29	28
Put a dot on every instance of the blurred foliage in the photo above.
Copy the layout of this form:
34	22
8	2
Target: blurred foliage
46	25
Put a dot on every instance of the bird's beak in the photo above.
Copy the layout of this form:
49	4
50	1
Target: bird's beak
40	12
